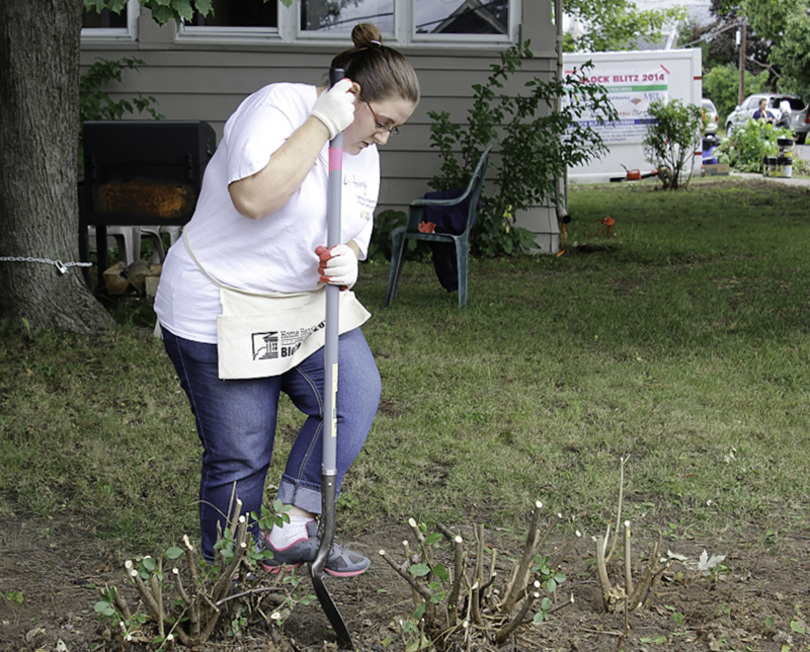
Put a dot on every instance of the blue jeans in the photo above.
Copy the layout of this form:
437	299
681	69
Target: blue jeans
236	423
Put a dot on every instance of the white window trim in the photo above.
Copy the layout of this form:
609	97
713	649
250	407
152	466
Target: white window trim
404	34
201	34
126	34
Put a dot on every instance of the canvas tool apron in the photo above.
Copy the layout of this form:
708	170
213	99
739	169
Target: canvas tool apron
266	334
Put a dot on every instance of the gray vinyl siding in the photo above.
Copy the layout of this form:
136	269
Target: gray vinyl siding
195	81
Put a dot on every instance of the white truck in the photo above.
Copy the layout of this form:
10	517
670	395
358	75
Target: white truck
633	80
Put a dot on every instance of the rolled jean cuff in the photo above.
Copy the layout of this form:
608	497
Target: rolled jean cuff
303	497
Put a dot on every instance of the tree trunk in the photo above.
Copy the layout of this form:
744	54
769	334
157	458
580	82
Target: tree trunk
39	93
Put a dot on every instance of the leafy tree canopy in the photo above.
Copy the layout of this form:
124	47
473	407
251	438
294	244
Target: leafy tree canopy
786	24
617	24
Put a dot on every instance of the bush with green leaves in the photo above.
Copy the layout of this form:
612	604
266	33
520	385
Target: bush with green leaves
748	145
672	139
95	103
185	599
535	145
464	599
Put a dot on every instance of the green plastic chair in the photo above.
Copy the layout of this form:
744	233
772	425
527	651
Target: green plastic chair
416	215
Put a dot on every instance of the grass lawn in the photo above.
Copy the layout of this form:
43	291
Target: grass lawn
680	345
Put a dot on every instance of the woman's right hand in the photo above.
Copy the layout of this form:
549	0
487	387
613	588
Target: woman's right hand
335	107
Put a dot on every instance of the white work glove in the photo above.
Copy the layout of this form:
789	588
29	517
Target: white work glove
335	107
338	266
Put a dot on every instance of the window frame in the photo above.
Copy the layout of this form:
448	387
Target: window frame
219	34
466	39
126	34
404	33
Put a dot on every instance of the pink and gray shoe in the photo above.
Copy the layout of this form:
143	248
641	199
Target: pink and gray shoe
340	562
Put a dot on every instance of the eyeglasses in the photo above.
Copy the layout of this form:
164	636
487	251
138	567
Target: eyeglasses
382	128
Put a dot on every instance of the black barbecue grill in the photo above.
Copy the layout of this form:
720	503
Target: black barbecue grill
140	173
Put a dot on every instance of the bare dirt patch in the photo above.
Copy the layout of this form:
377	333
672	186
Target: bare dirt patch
57	569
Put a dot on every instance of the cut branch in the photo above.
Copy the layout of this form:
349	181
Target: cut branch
601	567
510	627
628	577
410	579
458	572
519	580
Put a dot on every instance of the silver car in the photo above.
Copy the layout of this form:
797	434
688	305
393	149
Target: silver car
712	118
798	120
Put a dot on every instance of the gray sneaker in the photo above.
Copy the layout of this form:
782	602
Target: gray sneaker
340	562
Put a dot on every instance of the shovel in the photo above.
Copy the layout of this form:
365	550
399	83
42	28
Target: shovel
329	468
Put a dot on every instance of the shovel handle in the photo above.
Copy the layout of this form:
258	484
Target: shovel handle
335	184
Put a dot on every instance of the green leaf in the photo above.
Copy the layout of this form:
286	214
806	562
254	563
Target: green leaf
96	5
433	538
203	6
162	15
149	564
183	9
420	570
441	572
797	627
174	552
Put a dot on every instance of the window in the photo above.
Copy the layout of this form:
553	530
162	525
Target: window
461	17
401	22
430	20
104	20
234	20
341	16
242	13
110	26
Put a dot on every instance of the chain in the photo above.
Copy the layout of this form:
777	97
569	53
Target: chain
62	267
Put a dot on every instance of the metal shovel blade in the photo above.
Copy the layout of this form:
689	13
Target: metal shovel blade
329	469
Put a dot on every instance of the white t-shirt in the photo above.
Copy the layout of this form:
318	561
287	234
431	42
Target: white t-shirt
277	252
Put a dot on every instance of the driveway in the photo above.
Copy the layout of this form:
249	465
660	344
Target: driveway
799	151
793	181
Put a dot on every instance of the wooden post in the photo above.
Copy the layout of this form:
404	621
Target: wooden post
741	94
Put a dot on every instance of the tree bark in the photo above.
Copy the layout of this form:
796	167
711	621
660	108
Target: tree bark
39	91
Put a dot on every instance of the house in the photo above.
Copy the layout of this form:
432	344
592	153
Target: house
203	69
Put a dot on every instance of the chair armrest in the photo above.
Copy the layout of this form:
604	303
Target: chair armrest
421	201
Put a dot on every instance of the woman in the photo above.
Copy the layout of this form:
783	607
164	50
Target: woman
258	232
762	113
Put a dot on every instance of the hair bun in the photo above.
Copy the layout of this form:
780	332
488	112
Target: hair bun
365	35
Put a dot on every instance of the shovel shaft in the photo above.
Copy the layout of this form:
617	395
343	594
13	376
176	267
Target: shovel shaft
332	329
332	298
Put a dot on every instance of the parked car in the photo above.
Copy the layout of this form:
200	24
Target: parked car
799	117
712	118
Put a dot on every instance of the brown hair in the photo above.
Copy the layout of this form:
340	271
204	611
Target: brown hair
382	72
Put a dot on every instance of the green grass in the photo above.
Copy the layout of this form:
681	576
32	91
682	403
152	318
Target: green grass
682	343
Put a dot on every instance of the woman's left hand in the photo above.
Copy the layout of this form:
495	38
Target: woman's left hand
338	265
